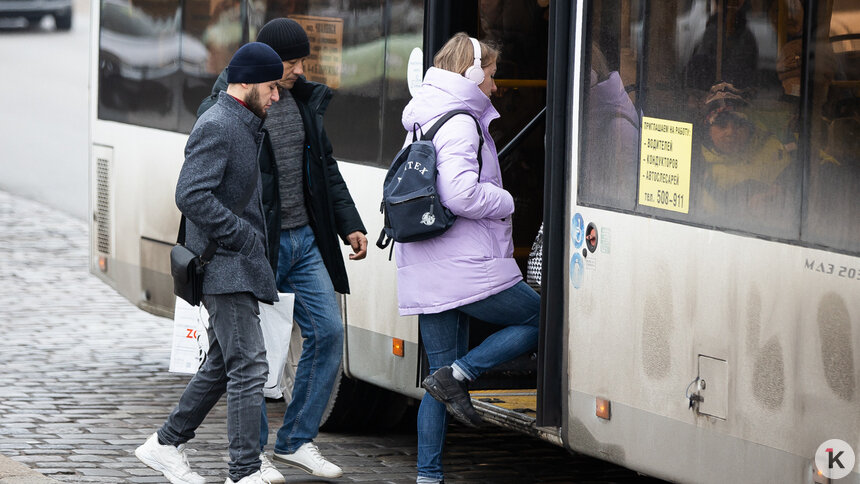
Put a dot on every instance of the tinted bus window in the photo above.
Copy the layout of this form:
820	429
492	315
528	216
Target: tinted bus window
139	63
157	63
347	54
211	34
405	32
833	218
688	117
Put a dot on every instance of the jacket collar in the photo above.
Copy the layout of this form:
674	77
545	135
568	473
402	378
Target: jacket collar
244	114
317	96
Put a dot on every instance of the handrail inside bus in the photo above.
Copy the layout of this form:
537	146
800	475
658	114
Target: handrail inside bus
520	82
513	143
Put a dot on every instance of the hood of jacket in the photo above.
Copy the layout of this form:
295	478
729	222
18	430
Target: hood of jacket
443	91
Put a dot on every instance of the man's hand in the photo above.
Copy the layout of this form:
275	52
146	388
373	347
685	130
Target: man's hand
359	245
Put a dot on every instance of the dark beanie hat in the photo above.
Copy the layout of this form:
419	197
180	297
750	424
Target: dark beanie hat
287	37
254	63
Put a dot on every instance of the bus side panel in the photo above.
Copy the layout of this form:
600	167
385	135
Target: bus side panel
137	165
657	298
372	318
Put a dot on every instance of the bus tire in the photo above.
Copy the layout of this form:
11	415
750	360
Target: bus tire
361	406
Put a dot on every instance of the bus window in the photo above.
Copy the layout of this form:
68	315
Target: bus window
139	47
696	81
833	218
216	28
154	72
354	53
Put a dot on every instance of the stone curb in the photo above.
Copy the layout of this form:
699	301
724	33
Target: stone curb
12	472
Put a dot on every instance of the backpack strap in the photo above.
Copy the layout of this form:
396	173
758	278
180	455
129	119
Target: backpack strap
428	136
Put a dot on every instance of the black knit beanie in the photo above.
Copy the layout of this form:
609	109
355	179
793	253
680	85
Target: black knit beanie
287	37
254	63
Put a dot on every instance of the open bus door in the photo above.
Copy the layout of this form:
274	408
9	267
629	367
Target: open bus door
524	394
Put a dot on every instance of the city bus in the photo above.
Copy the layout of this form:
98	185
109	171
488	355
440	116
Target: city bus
695	165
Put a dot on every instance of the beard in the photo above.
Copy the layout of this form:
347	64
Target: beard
255	104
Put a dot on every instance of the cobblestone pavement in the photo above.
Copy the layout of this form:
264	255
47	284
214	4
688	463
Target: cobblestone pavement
85	381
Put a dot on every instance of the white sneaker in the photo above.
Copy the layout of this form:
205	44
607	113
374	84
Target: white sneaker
255	478
309	459
269	471
168	460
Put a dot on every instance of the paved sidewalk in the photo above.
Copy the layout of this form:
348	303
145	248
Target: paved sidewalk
84	381
85	378
12	472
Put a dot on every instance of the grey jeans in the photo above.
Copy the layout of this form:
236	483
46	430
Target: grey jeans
236	363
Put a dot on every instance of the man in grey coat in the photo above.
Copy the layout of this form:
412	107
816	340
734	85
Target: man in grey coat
220	170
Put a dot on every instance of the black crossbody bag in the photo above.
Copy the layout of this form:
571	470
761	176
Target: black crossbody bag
186	267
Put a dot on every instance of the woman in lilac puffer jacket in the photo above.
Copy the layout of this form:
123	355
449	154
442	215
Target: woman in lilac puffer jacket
469	271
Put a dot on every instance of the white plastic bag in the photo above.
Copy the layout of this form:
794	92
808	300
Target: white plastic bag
190	340
277	324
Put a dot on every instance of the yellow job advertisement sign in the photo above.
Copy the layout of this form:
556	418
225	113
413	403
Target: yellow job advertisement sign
664	164
326	38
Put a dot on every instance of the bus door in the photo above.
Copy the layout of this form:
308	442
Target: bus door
519	29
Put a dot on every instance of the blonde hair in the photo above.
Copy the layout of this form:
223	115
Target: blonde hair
457	54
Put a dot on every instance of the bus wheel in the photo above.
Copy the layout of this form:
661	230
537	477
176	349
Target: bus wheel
360	406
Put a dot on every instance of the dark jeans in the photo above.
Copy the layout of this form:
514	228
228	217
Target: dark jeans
446	338
236	364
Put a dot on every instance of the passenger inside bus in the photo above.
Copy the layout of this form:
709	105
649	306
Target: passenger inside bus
742	161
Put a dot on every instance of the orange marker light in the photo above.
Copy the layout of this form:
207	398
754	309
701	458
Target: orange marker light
602	408
397	347
103	263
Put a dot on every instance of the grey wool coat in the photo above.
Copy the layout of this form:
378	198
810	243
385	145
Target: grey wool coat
220	162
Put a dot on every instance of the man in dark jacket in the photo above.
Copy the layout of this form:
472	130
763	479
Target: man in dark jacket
308	206
218	192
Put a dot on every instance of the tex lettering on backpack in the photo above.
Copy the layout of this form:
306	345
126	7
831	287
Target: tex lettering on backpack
410	204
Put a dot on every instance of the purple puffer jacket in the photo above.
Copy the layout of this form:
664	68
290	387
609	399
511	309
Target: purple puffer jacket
474	258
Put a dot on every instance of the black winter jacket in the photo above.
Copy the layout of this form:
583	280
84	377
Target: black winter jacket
330	207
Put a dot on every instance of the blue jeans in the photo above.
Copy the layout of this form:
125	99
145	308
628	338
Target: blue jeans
446	337
301	271
236	364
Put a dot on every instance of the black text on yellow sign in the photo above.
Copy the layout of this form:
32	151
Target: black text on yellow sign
664	164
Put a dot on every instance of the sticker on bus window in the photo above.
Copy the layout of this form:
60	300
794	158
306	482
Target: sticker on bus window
326	38
664	164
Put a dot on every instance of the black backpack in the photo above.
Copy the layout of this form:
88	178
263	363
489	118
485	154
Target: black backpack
410	205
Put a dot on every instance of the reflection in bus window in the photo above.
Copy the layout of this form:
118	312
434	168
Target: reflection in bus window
714	65
139	63
215	26
151	72
612	144
363	60
833	217
736	61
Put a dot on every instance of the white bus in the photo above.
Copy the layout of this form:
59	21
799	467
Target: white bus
710	332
